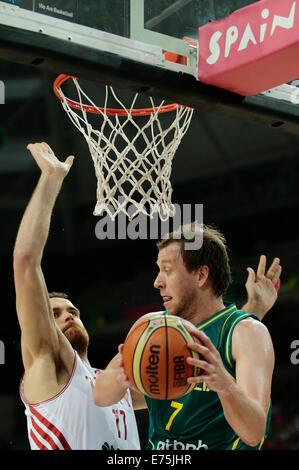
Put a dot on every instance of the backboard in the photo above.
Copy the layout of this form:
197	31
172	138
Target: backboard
150	46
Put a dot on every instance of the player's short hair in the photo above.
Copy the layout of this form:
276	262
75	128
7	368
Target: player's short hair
60	295
213	253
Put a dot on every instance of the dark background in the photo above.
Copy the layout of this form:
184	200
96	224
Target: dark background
246	177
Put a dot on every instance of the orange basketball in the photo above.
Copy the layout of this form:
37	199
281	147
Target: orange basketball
155	354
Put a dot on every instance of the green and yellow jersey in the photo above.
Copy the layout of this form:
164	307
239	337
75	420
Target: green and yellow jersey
196	420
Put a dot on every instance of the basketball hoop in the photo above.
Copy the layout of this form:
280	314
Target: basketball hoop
127	175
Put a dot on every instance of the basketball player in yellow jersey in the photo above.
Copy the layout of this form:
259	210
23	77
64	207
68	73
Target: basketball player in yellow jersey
230	410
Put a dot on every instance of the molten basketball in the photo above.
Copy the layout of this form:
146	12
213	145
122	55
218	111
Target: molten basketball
154	357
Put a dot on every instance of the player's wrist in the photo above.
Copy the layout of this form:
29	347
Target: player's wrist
228	390
51	182
53	174
253	306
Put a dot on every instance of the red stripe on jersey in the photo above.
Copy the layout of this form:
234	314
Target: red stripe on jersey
125	424
44	435
51	427
37	442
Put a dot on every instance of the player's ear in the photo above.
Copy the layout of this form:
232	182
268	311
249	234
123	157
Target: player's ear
203	274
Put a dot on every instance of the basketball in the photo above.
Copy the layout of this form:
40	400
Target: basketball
154	357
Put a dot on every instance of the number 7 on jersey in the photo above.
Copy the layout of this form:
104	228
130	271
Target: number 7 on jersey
178	407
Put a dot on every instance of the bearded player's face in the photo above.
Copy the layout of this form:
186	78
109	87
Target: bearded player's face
178	287
67	318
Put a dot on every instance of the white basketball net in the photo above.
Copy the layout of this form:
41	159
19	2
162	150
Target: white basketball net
133	175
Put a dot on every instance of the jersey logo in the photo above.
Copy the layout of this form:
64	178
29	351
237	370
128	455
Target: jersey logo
178	445
202	388
92	380
107	446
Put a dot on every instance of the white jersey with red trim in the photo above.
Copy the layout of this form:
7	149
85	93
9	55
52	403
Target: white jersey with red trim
71	421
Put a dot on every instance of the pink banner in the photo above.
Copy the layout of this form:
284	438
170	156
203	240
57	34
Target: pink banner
252	50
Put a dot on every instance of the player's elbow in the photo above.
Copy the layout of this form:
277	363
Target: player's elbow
254	439
254	442
26	268
23	260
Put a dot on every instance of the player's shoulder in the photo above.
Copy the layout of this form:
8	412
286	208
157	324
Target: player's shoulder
251	337
250	327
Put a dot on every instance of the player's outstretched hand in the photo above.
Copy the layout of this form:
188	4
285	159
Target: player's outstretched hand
47	161
210	363
262	287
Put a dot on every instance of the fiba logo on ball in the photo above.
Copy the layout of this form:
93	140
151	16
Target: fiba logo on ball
154	356
179	371
152	371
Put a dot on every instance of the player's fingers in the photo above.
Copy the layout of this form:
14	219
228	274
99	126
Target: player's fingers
205	352
69	161
198	379
274	266
261	266
276	277
47	148
36	151
251	276
33	148
34	145
30	148
202	365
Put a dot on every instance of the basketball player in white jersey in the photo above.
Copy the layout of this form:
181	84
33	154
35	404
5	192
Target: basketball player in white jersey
57	386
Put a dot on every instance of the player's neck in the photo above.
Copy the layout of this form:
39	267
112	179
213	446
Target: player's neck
206	308
83	356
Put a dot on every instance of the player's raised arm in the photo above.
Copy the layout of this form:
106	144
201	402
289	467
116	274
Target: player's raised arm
39	332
